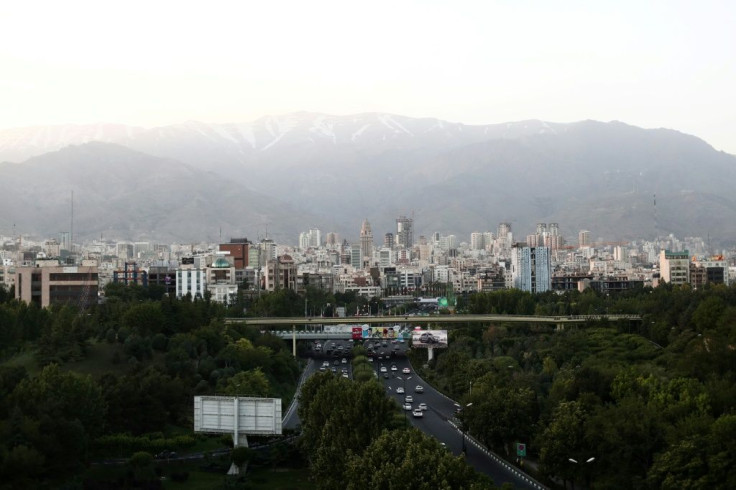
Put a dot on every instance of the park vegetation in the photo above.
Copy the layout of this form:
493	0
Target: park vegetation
118	379
632	404
644	404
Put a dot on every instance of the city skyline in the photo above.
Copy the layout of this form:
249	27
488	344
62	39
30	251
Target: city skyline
647	64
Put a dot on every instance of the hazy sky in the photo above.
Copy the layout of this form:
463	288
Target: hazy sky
648	63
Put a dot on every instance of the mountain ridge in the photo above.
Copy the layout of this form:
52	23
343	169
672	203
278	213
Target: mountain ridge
456	178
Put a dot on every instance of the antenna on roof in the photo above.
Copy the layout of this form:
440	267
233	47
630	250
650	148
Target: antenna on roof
656	220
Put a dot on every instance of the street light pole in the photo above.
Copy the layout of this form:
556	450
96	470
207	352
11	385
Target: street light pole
463	432
589	460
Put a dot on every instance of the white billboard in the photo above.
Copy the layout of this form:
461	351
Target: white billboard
241	415
429	338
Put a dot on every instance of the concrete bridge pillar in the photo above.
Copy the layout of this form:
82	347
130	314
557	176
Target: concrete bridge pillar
293	340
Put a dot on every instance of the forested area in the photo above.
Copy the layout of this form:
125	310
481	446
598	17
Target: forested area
652	402
119	378
649	404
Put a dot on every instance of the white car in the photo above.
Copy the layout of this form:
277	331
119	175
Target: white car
399	390
406	370
417	413
383	369
419	389
394	368
407	406
409	399
422	406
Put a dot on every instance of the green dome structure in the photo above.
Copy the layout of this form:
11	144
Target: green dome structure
221	262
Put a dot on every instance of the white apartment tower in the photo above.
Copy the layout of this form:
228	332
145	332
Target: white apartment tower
531	268
366	241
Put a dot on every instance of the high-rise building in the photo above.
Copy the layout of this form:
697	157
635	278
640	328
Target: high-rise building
388	240
238	251
531	268
332	240
584	238
366	241
356	256
477	240
310	239
404	232
315	237
674	267
65	240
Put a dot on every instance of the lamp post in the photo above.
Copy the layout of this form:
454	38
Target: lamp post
574	461
463	432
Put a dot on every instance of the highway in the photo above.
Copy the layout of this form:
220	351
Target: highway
438	420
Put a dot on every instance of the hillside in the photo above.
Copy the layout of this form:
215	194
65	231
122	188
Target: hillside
454	178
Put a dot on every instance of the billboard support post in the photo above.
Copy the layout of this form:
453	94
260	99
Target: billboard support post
430	353
238	416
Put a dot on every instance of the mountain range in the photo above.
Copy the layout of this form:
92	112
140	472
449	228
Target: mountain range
278	176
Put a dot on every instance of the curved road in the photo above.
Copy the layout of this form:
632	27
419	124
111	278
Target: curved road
436	422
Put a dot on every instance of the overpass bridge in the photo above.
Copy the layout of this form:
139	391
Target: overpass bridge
314	323
426	320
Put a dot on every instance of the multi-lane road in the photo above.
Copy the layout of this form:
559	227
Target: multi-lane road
438	420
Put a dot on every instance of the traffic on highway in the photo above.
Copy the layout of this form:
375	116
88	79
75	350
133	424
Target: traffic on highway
424	407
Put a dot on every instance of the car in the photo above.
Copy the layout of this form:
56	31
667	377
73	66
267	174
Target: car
383	369
394	368
344	361
418	413
419	389
345	375
407	406
326	363
408	399
370	359
334	369
399	390
385	375
422	406
428	338
406	370
322	368
336	362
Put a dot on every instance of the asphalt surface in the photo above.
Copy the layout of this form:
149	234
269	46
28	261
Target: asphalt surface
438	420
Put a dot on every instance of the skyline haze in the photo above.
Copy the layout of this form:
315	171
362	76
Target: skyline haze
648	64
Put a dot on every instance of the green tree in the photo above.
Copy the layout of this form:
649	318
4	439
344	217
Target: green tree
408	459
565	438
248	383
